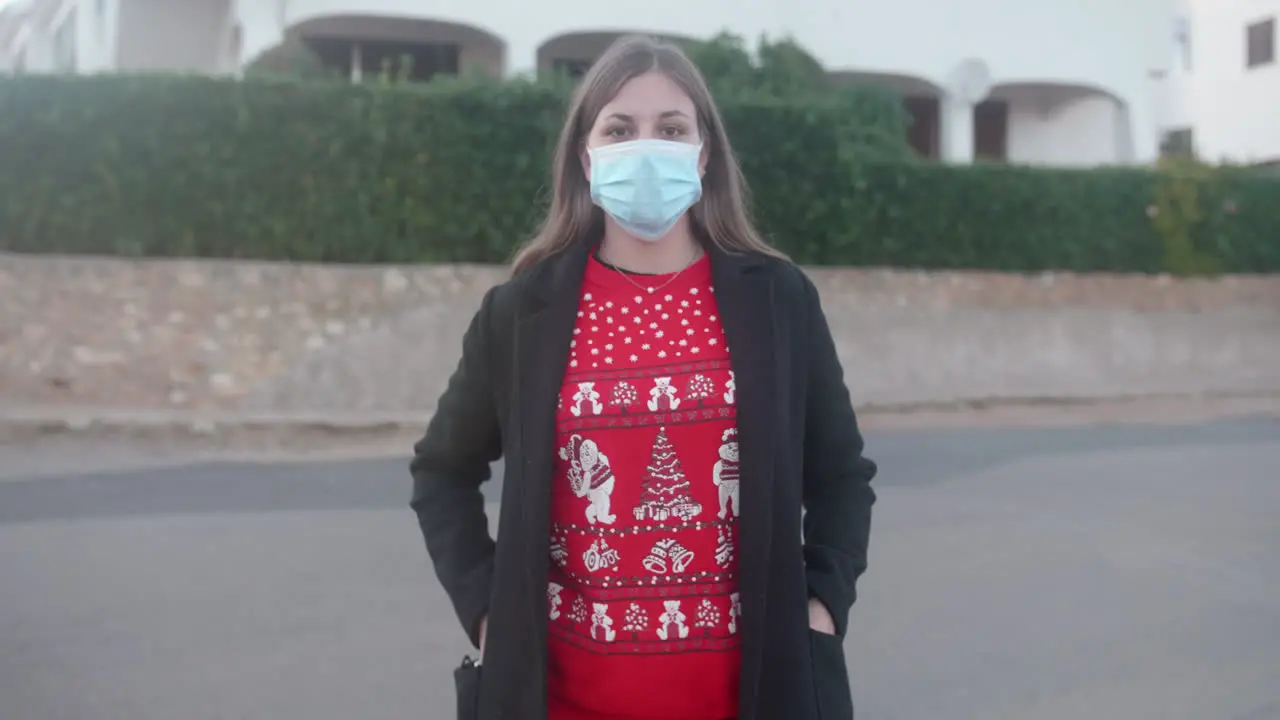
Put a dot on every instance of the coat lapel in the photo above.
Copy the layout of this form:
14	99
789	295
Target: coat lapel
744	296
543	333
544	329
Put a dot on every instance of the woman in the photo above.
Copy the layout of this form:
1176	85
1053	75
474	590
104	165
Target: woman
666	393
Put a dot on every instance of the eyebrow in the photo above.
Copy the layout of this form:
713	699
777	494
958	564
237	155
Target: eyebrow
668	114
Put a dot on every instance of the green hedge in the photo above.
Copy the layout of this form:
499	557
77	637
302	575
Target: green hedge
456	171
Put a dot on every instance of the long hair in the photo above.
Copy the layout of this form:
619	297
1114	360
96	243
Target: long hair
720	217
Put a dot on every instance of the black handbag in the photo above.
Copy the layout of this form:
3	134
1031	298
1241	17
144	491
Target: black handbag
466	680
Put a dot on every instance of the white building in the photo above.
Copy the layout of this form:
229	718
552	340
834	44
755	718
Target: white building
1060	82
1222	92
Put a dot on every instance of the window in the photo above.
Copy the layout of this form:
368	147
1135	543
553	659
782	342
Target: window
574	68
926	116
991	130
1179	142
412	61
1260	43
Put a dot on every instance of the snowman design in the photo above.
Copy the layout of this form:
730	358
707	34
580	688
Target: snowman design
671	622
730	389
586	400
590	477
735	612
601	624
662	396
725	473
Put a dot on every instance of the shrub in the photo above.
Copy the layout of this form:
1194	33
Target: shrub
448	171
1178	215
456	171
999	217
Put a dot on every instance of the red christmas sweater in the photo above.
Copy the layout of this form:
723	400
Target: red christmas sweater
642	599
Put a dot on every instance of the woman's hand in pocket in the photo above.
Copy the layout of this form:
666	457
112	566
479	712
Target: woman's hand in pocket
820	620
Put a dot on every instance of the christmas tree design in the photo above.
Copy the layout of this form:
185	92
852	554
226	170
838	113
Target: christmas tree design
664	492
708	616
700	388
636	621
578	610
624	395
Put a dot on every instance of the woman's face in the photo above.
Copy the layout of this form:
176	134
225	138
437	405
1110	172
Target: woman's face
648	107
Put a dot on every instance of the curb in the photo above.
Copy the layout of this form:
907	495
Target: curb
210	430
18	425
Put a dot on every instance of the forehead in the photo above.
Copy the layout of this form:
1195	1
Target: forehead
648	96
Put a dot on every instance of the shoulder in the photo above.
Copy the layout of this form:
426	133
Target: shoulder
503	301
503	298
790	276
791	284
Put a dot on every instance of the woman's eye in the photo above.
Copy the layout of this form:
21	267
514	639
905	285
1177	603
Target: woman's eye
672	131
616	132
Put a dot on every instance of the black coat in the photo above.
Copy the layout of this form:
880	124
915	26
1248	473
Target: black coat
800	449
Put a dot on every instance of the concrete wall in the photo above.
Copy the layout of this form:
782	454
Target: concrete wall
904	339
340	340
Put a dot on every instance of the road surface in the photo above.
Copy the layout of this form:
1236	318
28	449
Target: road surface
1093	572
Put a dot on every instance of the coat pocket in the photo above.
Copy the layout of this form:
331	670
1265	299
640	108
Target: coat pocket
830	677
466	681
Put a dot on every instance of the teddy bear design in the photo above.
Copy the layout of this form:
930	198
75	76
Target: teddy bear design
586	400
662	396
601	623
671	623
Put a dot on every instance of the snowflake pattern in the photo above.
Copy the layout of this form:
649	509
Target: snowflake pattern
633	335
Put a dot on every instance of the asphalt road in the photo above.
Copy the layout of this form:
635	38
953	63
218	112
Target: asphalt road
1099	572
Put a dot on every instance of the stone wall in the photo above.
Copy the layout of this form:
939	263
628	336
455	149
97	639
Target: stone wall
279	338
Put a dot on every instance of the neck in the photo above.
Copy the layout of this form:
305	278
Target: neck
673	252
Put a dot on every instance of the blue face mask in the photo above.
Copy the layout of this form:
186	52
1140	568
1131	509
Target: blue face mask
646	185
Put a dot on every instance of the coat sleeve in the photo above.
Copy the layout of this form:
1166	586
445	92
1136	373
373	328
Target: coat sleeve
450	462
837	490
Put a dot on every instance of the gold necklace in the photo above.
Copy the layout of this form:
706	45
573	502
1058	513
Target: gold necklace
650	289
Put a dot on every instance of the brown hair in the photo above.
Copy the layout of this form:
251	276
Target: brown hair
721	217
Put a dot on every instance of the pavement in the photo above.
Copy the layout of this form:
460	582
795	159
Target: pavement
1090	571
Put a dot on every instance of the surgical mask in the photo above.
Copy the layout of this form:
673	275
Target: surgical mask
646	185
